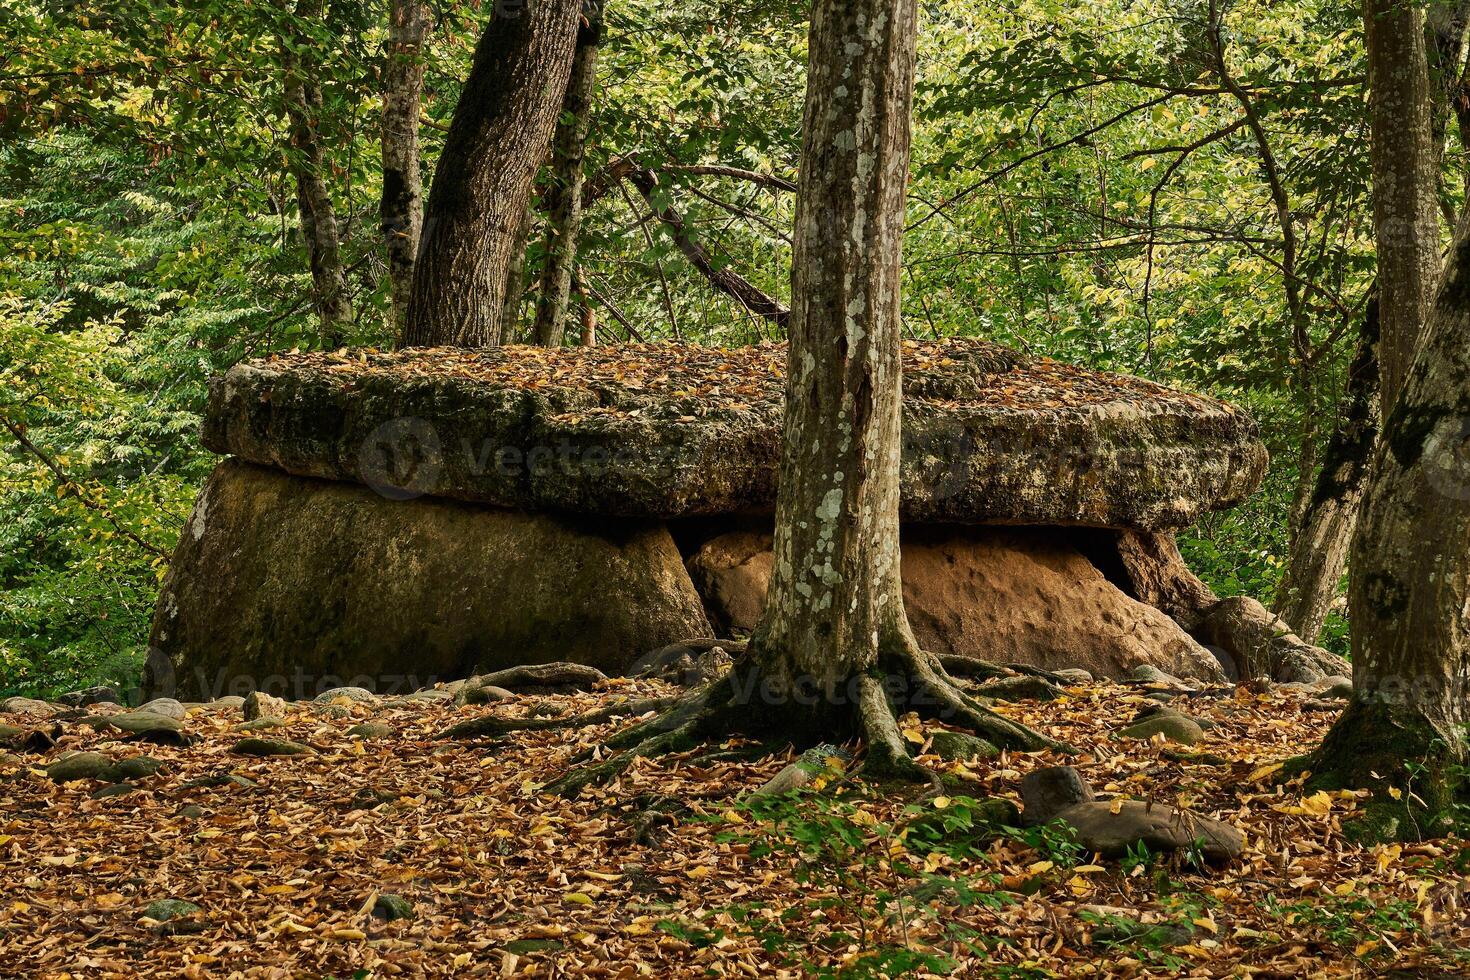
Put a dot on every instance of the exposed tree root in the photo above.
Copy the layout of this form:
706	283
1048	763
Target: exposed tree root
868	706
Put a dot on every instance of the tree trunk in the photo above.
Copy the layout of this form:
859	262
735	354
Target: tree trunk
515	282
401	209
563	197
1405	183
1406	723
482	182
834	655
1320	546
303	102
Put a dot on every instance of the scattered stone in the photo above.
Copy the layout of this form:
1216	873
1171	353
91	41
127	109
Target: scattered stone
960	746
1170	724
370	798
478	694
167	707
149	727
1159	827
814	762
270	747
113	789
524	946
10	735
191	811
258	704
370	729
26	706
1336	687
689	663
1020	688
331	710
391	908
218	779
1074	675
1149	674
90	695
357	695
261	724
546	709
79	765
1047	792
228	701
138	767
166	909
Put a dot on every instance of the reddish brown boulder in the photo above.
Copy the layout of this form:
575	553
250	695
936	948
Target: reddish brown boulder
1007	595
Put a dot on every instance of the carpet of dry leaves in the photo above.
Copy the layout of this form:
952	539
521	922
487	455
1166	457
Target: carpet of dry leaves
507	881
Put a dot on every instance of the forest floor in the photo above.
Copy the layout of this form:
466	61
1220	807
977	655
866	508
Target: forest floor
287	865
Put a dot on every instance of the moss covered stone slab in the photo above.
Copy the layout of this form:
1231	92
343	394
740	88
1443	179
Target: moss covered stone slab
670	431
296	586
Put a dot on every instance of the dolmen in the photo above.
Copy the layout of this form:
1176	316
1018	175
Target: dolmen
392	519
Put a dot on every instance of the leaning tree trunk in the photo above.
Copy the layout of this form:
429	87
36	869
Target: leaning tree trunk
401	209
1405	164
482	182
1406	723
1320	546
563	196
303	102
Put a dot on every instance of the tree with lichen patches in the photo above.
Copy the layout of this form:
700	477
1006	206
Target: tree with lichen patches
834	655
1404	732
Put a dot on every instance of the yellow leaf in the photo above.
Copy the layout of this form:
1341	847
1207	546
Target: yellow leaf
914	735
1259	774
577	898
731	816
1040	867
941	802
700	871
463	959
1395	792
1207	923
1346	888
347	934
1365	947
1117	806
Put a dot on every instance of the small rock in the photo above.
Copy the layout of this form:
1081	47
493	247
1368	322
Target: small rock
1149	674
218	779
191	811
167	707
138	767
1159	827
814	762
357	695
1172	725
258	704
524	946
331	710
1336	687
370	729
391	908
149	727
263	723
1047	792
228	701
166	909
90	695
958	746
79	765
270	747
1023	687
26	706
1074	675
10	735
476	694
113	789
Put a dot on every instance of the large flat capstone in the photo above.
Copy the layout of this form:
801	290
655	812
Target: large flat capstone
664	431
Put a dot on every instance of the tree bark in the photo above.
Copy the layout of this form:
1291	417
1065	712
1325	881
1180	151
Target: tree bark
515	282
728	281
319	230
563	196
1319	548
1406	723
1405	183
482	182
401	209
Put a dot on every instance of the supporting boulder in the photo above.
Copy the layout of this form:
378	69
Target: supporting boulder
296	586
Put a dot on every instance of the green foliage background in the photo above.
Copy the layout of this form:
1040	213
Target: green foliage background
149	234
